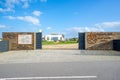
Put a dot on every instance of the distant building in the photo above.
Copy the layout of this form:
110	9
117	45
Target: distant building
54	37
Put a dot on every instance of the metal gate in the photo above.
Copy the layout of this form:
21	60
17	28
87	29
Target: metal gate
81	40
116	45
39	40
4	46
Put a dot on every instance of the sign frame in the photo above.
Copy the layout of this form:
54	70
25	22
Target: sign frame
25	39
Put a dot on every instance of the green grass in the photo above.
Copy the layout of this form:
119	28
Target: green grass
55	43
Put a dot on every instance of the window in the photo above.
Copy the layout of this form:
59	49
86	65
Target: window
61	38
47	38
55	38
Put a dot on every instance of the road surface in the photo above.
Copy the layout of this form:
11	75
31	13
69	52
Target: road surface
86	70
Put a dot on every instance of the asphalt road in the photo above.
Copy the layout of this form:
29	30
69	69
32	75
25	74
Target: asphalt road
86	70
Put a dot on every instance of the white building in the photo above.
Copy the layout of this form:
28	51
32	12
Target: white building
54	37
0	39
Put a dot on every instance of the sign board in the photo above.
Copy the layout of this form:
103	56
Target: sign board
101	40
97	37
24	39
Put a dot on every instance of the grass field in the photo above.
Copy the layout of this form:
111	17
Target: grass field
55	43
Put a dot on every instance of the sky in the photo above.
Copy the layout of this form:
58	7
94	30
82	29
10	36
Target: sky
66	17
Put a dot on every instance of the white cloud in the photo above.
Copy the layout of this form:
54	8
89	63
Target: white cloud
2	26
37	13
101	27
73	31
43	0
12	3
25	5
85	29
29	19
10	17
48	28
114	24
9	5
6	10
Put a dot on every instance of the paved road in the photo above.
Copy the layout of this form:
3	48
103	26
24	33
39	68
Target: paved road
87	70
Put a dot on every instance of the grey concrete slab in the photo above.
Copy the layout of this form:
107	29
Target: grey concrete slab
36	56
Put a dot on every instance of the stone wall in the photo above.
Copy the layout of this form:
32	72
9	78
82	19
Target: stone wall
100	40
19	40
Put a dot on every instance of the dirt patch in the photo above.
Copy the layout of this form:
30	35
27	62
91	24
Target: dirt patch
61	46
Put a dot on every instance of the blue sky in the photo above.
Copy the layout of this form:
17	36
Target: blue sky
66	17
